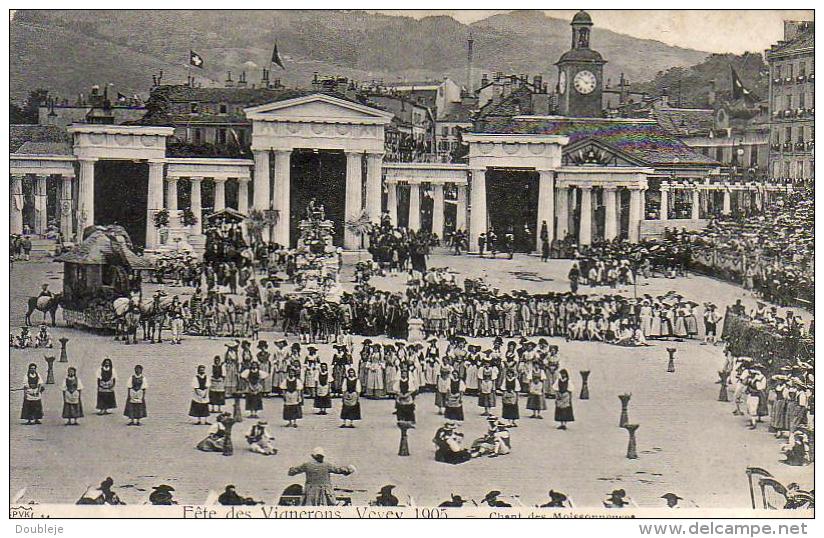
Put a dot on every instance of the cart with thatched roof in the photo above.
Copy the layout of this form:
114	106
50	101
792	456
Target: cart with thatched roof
96	272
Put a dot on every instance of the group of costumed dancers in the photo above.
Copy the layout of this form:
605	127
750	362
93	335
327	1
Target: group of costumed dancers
498	378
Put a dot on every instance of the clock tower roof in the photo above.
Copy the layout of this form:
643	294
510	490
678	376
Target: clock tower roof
581	55
582	17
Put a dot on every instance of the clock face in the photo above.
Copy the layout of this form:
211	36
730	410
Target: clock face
584	82
562	82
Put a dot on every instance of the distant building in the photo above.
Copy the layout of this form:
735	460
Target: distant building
735	133
792	101
96	108
616	96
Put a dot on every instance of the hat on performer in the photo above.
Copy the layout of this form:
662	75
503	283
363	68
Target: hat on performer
450	425
318	451
557	495
263	344
491	495
671	496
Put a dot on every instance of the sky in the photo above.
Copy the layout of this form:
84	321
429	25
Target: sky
735	31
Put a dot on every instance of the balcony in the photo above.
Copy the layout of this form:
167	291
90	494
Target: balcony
788	80
788	146
777	81
800	145
810	145
788	113
811	77
800	79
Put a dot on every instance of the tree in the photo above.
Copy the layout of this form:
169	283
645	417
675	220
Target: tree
360	226
28	114
258	220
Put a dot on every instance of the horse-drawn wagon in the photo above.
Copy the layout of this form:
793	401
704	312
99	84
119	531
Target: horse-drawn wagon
100	270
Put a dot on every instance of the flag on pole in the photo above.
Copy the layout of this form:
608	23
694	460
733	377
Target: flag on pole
195	59
738	88
276	57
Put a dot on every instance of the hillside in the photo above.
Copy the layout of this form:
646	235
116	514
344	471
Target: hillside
693	83
67	51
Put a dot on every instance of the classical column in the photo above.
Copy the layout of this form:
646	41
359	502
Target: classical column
196	204
664	202
154	201
562	200
610	213
220	193
585	221
696	204
726	209
171	193
66	209
354	202
634	214
477	216
85	196
392	202
460	211
261	185
642	210
546	206
414	206
437	209
374	165
243	195
41	213
283	160
16	205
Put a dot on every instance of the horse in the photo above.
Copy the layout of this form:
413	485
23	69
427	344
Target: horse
153	316
128	319
49	307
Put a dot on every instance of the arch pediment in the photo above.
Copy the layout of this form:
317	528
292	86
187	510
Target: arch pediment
318	108
591	151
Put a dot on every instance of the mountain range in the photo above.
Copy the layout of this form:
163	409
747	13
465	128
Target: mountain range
68	51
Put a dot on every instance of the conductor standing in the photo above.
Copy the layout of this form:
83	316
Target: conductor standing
318	490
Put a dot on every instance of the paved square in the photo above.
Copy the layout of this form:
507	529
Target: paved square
688	442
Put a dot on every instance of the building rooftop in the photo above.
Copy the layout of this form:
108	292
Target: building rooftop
38	134
684	121
164	96
804	41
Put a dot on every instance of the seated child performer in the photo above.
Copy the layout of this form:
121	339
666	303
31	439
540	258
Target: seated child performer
43	338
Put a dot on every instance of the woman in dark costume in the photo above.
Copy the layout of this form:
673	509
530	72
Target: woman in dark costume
351	410
106	380
563	400
33	388
199	406
454	398
217	386
292	388
254	388
72	404
405	398
323	390
340	362
509	399
136	397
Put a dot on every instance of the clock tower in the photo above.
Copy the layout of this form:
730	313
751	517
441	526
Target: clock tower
580	73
